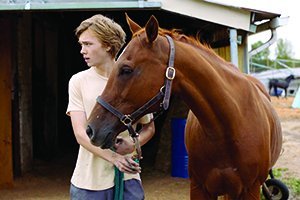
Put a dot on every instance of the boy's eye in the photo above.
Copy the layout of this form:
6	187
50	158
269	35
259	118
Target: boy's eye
85	43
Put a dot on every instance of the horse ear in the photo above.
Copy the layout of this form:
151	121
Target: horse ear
152	29
134	27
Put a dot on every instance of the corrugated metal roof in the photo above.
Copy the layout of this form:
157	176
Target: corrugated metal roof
262	9
262	6
75	4
277	73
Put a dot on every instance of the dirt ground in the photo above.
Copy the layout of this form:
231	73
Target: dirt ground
52	182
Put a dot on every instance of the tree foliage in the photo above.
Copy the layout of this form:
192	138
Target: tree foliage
284	56
284	49
263	55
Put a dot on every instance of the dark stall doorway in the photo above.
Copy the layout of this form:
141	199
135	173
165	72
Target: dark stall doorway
51	66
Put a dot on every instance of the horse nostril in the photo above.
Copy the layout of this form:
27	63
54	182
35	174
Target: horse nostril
89	131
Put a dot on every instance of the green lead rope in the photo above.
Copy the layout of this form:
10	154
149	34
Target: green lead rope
119	184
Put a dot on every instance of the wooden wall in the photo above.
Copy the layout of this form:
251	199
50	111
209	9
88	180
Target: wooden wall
224	52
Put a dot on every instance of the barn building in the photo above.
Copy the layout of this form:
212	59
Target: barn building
39	54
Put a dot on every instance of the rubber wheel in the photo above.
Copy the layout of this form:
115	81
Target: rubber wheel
278	190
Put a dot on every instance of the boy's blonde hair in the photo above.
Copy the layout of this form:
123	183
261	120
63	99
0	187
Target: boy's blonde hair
109	33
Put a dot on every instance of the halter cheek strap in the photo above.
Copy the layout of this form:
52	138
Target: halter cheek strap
170	74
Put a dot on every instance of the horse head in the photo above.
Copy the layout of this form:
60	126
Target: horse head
130	84
290	77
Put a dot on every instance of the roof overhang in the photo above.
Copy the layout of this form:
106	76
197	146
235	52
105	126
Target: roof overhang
227	16
242	15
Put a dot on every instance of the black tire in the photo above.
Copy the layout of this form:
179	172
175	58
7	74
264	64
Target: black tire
278	190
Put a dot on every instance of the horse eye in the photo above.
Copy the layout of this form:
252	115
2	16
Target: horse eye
125	70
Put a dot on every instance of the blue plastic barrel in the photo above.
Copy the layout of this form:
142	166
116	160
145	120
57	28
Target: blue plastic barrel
179	153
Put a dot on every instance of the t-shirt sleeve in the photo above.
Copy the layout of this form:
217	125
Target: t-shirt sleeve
146	119
75	96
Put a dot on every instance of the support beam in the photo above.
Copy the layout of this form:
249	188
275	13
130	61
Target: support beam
233	47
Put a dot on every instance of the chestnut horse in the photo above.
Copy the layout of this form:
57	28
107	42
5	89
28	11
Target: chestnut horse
233	134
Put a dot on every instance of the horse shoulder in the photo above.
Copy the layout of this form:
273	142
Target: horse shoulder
259	85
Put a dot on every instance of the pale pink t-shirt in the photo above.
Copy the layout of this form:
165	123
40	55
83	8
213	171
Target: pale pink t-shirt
92	172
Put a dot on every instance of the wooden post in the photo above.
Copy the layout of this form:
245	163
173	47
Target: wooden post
6	165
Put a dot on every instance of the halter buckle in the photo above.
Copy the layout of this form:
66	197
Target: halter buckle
170	73
126	120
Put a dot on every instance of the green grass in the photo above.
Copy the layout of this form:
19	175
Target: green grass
293	184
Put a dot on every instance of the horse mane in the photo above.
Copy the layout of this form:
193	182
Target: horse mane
177	34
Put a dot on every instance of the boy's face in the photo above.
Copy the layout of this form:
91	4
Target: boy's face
92	50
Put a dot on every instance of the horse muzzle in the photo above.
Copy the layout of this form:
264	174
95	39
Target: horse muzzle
105	141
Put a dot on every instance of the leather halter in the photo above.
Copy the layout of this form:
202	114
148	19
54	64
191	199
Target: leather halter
164	92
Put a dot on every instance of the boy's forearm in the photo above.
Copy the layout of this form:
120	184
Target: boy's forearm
147	133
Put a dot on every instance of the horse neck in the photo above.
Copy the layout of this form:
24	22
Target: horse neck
289	79
202	85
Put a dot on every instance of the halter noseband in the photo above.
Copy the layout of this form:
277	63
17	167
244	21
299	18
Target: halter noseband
164	92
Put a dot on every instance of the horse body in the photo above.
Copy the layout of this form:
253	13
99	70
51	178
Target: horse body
284	84
229	131
233	135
